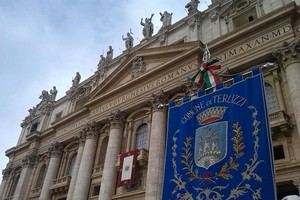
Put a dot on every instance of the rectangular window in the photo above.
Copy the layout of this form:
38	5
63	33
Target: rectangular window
245	17
278	152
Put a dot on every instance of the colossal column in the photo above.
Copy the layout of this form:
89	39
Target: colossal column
81	141
156	147
6	172
109	177
289	56
22	186
55	151
86	165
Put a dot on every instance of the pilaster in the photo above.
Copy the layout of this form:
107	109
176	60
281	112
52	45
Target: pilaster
156	147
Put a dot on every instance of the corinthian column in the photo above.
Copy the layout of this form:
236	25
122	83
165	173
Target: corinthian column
81	142
86	165
289	56
6	172
156	147
27	163
55	151
109	177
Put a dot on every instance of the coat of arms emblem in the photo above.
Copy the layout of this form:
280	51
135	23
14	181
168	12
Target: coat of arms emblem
211	137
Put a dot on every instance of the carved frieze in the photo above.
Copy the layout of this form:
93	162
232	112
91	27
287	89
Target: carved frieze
138	67
194	22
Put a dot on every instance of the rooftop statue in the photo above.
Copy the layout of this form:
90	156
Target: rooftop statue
128	41
102	62
53	93
109	54
166	19
76	80
148	27
192	6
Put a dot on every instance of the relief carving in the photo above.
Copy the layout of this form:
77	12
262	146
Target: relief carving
138	67
29	160
91	130
288	53
157	101
55	149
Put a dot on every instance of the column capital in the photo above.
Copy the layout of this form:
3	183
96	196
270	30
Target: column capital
296	182
189	87
55	149
117	119
91	130
156	100
6	172
80	138
288	53
29	160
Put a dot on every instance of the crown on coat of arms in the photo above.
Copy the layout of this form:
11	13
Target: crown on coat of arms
211	114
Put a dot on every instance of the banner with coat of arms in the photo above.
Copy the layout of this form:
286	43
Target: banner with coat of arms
219	145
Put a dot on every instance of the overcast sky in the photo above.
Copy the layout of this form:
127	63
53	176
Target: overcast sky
44	43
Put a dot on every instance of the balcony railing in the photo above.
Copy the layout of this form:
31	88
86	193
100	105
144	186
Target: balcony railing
60	185
279	122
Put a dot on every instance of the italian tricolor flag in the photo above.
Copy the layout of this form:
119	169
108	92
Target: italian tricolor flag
206	74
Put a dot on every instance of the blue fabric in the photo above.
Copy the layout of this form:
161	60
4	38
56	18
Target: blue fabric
215	156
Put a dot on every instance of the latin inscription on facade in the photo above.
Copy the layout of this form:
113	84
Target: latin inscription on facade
252	44
71	127
149	86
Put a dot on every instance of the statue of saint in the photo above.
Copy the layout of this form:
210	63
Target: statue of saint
192	6
53	93
76	80
102	62
128	41
109	54
148	27
166	19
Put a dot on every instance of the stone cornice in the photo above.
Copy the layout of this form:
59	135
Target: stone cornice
117	119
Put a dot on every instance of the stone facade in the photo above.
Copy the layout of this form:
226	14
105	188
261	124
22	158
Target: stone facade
70	148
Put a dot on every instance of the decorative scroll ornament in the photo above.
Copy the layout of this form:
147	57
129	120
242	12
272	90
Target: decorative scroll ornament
6	172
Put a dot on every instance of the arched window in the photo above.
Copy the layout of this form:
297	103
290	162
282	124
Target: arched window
141	137
103	151
71	165
270	98
41	176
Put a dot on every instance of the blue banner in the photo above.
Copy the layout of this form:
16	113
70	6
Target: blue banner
219	145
